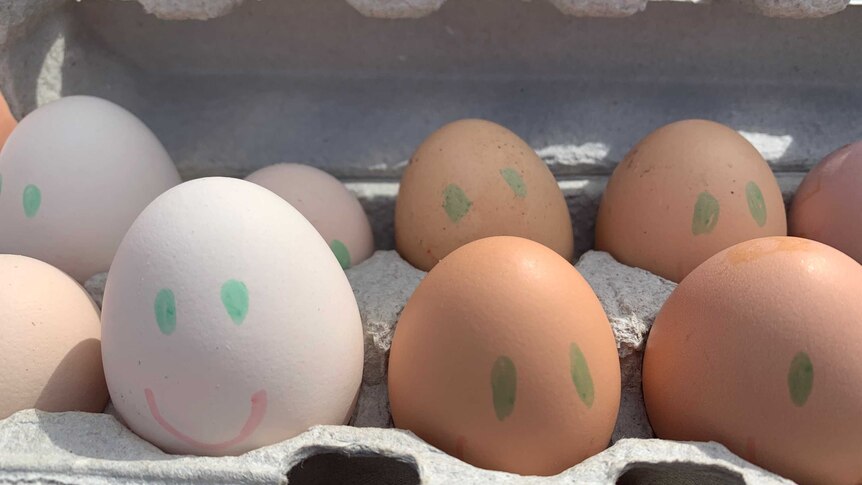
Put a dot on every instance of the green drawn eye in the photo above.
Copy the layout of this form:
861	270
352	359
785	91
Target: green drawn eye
705	215
800	378
756	205
504	383
32	200
581	375
166	311
341	253
455	202
515	182
234	296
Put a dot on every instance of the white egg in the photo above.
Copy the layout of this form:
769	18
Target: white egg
326	203
227	322
74	174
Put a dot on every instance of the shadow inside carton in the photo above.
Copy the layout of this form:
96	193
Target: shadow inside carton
677	473
335	467
97	435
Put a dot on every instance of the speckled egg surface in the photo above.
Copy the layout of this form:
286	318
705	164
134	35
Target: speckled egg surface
49	351
685	192
827	206
760	349
504	358
75	174
228	323
472	179
326	203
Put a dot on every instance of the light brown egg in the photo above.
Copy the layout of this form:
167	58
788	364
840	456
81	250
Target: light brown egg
760	349
827	206
504	358
472	179
7	121
685	192
50	351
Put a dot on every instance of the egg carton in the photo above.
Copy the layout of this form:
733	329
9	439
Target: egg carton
262	82
97	448
400	9
317	83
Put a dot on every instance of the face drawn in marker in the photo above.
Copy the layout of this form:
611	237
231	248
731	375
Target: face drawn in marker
341	253
457	204
504	385
234	297
705	215
756	205
515	182
32	200
255	416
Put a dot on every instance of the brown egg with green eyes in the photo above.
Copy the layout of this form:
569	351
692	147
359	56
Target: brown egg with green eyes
760	349
685	192
472	179
504	358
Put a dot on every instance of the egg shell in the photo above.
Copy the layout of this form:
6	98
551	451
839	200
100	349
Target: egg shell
472	179
228	323
50	351
504	358
685	192
326	203
827	206
7	121
760	349
75	174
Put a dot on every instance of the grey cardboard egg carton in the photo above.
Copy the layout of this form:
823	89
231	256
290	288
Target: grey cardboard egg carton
397	9
230	86
96	448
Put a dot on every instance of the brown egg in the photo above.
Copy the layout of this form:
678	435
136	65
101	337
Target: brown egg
7	121
685	192
827	206
50	351
760	349
504	358
472	179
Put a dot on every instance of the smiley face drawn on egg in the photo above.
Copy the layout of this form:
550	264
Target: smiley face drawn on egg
234	296
473	179
707	209
76	172
504	382
228	323
685	192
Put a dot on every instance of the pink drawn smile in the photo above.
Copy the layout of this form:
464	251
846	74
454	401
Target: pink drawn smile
258	409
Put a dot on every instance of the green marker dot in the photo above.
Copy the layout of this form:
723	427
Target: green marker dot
705	215
756	205
504	383
455	202
32	200
234	296
800	378
166	311
581	375
513	178
341	253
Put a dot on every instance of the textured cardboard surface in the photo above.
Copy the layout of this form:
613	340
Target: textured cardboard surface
330	83
81	448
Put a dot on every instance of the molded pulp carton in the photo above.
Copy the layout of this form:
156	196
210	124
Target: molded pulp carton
352	86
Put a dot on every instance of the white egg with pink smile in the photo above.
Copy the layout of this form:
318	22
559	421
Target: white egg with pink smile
227	322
